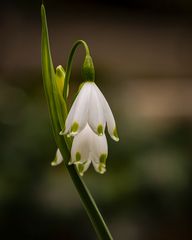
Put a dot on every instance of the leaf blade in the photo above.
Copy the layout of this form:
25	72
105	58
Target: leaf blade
55	104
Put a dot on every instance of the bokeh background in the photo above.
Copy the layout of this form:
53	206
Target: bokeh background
142	52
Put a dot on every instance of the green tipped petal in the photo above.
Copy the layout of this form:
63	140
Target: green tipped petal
100	130
54	162
101	168
80	168
103	158
74	127
58	158
102	164
78	156
115	135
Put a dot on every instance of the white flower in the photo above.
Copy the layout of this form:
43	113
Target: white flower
90	107
89	147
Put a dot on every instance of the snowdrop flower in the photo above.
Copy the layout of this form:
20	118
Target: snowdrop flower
89	148
90	107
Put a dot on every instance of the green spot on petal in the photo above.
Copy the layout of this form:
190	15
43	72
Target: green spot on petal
80	168
103	158
78	156
101	168
115	134
100	129
75	127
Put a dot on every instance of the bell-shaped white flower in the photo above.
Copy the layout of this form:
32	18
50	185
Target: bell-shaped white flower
89	148
90	107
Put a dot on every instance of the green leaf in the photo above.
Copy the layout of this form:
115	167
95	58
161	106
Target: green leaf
57	105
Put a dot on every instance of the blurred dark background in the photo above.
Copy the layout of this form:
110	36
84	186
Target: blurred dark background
142	52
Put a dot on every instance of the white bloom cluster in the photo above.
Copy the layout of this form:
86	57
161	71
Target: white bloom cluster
86	122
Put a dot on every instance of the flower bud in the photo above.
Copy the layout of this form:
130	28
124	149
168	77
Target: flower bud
60	76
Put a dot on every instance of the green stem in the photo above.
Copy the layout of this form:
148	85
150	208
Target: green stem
69	64
90	206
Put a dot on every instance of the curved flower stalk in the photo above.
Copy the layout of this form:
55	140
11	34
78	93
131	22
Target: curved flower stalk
88	144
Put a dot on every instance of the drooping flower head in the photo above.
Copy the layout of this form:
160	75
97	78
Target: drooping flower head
90	107
86	122
89	147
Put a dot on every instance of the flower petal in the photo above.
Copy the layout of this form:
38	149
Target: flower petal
58	158
81	147
77	117
96	117
99	152
80	150
111	125
88	147
82	167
